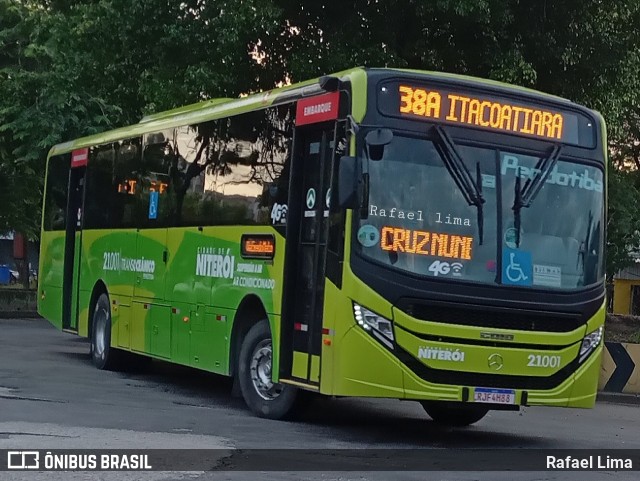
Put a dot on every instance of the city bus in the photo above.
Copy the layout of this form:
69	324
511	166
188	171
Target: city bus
379	233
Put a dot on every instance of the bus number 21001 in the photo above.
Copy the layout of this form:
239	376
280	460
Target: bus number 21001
543	361
111	261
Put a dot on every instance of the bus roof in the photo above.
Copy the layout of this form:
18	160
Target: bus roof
222	107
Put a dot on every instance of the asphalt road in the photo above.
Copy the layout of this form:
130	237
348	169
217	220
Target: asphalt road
51	397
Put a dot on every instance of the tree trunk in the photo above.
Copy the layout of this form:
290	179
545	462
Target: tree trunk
21	256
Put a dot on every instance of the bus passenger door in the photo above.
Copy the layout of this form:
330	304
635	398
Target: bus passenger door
73	240
305	258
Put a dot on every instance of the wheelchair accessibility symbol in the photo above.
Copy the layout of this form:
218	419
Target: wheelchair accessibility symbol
516	268
153	205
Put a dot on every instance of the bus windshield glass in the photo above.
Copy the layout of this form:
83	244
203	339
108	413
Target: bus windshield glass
420	221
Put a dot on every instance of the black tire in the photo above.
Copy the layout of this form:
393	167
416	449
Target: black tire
264	398
454	414
104	357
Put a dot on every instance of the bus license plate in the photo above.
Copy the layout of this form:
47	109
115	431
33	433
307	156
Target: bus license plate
494	396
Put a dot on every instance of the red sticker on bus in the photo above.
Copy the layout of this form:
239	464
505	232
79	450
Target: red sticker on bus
317	109
79	158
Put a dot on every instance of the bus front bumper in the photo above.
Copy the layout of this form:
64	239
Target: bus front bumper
378	372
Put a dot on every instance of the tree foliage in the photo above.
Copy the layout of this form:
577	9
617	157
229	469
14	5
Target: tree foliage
73	67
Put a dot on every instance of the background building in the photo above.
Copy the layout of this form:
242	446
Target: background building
626	291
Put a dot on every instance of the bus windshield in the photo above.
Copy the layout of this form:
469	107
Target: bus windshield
421	222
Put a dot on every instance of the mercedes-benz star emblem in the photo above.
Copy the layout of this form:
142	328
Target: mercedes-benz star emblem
495	362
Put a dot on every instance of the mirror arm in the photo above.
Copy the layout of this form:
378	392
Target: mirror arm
347	183
354	128
364	185
364	203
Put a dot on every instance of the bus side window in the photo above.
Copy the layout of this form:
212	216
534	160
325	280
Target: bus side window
195	152
55	205
99	185
253	172
232	171
155	197
125	180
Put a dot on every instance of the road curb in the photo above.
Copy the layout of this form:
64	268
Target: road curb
20	315
618	398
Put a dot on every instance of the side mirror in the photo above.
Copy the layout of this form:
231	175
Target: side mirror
347	182
376	141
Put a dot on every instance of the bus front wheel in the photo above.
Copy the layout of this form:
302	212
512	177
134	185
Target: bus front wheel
454	414
102	354
264	397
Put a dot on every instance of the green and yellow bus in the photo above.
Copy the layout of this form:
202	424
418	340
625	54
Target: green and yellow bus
376	232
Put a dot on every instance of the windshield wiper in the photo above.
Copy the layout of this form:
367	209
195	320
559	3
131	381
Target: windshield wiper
524	196
585	247
471	189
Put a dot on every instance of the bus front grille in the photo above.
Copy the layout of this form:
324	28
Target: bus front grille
491	316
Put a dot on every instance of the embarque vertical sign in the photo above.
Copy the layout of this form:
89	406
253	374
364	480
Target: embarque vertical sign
79	157
317	109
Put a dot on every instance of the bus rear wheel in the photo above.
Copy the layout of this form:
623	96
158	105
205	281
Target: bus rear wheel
264	397
454	414
102	354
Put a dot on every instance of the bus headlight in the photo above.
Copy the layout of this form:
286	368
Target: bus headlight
380	327
590	342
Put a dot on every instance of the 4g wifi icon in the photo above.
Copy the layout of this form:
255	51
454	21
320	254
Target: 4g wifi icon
456	267
444	268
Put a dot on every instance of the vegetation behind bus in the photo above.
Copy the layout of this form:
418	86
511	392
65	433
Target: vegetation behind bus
59	83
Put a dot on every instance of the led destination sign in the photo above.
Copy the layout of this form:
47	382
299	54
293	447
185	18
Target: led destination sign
476	111
398	239
488	112
258	246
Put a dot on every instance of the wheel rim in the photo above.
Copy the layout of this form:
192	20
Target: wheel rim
100	328
261	363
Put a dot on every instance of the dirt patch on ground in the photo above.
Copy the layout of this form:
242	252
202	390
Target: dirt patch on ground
619	328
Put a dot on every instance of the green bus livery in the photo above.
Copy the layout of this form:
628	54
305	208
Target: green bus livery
377	232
